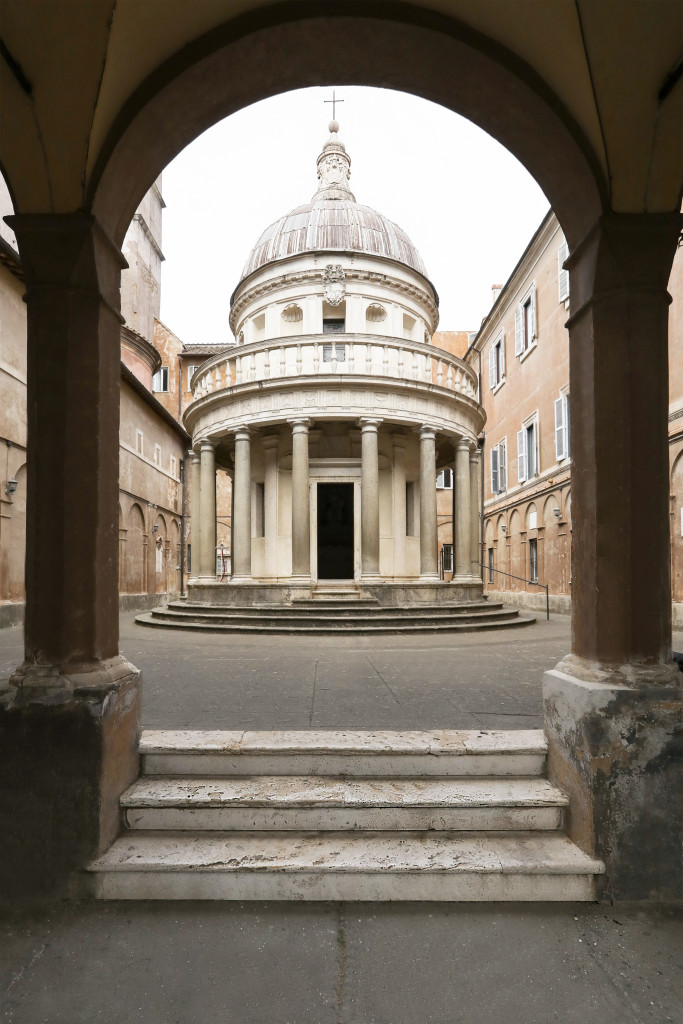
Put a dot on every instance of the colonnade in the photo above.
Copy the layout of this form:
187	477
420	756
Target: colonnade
466	520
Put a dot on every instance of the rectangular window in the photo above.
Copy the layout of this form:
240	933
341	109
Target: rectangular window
410	508
491	569
259	510
334	325
191	370
527	451
160	379
499	467
444	481
562	274
139	444
189	558
525	323
497	362
533	561
334	350
446	558
157	454
562	427
173	465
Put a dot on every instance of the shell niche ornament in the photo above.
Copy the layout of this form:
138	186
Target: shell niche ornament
334	285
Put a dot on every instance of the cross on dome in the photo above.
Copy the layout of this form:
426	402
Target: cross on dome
334	164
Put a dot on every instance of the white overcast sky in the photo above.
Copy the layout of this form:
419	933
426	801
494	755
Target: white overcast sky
468	205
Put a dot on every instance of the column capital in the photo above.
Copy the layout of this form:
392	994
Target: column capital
193	454
207	444
475	455
370	424
300	424
242	432
462	445
427	432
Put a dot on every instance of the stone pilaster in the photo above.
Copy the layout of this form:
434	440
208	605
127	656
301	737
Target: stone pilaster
399	445
613	709
194	460
241	522
270	445
69	731
475	513
369	498
463	507
207	510
428	528
301	505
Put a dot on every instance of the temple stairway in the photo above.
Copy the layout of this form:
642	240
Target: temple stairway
440	815
336	615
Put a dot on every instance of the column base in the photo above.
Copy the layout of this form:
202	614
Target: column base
615	738
70	748
237	578
370	577
465	578
301	579
430	577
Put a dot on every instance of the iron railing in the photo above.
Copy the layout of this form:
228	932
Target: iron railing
532	583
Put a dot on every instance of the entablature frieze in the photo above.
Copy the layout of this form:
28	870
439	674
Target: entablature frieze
269	404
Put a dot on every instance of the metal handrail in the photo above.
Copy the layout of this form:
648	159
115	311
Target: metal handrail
543	586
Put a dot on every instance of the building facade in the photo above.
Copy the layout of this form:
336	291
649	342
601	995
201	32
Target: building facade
522	355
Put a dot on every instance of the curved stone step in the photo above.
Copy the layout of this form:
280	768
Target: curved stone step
441	866
309	803
380	753
336	627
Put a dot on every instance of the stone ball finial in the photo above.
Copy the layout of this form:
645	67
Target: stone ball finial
334	127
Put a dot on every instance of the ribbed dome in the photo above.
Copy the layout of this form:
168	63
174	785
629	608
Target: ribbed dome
329	224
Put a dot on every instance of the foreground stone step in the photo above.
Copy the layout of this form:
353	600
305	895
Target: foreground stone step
442	752
441	866
300	607
314	803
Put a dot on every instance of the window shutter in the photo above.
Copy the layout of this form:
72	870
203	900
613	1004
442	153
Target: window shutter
562	274
521	455
492	367
501	358
494	471
502	466
519	331
560	429
532	315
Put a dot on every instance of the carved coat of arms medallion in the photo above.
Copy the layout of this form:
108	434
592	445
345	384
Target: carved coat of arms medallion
334	286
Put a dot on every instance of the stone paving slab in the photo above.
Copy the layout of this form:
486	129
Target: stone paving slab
354	963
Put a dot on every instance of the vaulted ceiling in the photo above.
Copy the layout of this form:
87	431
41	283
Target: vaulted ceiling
74	73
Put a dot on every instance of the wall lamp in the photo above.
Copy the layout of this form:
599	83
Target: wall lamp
11	487
155	528
504	529
558	513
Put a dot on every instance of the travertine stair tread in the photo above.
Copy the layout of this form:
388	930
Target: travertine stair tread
327	606
345	741
336	614
310	791
345	852
341	628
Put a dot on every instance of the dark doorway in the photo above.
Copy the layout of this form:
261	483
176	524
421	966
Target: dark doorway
335	531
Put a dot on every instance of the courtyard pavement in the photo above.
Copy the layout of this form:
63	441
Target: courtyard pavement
332	963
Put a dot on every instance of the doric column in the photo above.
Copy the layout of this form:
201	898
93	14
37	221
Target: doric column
207	510
301	510
69	731
463	548
613	708
270	444
475	512
369	498
428	531
194	460
241	511
399	443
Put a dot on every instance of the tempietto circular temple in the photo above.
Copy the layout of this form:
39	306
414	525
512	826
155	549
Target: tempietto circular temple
333	414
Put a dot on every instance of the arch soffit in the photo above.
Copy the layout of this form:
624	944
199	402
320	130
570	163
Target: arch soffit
396	46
